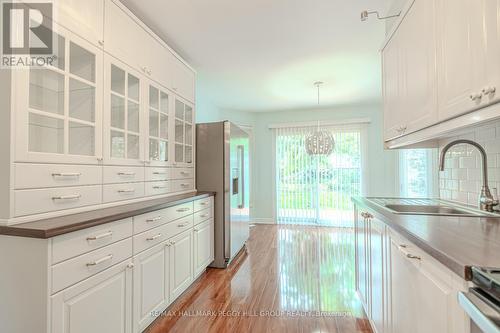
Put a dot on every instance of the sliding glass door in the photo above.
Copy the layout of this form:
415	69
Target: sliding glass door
317	189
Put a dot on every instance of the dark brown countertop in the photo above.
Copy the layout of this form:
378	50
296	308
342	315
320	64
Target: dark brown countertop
51	227
457	242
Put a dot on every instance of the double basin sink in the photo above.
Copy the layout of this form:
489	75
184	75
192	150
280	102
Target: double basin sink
429	207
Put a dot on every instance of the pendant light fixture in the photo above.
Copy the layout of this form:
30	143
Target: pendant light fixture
319	142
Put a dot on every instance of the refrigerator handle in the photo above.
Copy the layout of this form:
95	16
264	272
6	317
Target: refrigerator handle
241	150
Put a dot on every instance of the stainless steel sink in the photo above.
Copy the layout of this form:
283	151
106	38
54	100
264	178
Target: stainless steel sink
432	210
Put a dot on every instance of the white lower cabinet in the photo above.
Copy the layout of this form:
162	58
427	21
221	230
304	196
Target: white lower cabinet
401	287
116	277
151	284
100	304
181	259
203	249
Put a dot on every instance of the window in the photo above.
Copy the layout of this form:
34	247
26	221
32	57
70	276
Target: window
317	189
416	173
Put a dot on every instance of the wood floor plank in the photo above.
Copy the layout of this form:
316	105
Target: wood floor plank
292	279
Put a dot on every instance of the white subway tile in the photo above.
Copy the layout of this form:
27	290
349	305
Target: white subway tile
467	162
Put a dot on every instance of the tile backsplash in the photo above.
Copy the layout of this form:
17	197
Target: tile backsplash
461	181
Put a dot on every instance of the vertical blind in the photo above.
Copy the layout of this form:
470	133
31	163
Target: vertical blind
317	189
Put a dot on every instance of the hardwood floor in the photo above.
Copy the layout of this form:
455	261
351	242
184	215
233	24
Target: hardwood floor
293	279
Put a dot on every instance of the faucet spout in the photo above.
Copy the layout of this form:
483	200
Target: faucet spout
486	200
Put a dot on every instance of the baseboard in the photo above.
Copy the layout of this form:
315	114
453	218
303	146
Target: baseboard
262	220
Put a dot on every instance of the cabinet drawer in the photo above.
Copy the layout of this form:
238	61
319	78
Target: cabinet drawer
77	269
36	201
203	203
181	185
83	241
182	173
157	235
126	191
156	188
119	174
157	174
203	215
153	219
55	175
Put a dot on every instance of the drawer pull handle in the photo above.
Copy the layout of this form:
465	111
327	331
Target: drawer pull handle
130	190
126	173
104	235
158	187
181	210
66	174
152	238
204	203
67	197
411	256
168	244
204	215
184	173
159	173
154	219
172	243
182	225
100	261
184	185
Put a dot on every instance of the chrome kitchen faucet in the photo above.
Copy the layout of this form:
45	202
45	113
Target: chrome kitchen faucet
486	200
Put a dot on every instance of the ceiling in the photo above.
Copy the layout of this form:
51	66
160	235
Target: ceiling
264	55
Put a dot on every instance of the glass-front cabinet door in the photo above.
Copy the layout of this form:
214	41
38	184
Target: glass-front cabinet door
122	114
58	106
184	133
158	125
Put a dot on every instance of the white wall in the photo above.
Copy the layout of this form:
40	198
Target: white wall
381	166
462	179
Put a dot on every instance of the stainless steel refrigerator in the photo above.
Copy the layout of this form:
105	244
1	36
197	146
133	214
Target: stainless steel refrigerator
222	157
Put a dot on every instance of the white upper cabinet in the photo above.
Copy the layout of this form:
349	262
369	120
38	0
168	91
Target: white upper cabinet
460	53
123	119
409	73
159	125
393	112
183	79
183	133
58	108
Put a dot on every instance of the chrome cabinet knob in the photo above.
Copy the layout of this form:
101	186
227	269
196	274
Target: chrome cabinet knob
489	90
475	97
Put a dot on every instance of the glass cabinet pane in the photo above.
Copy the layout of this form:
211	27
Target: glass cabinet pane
179	153
189	114
133	88
153	149
59	49
188	152
81	100
117	112
153	123
163	126
163	149
179	110
81	139
46	92
189	134
153	97
117	144
81	62
117	80
133	117
163	102
133	146
46	134
179	131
